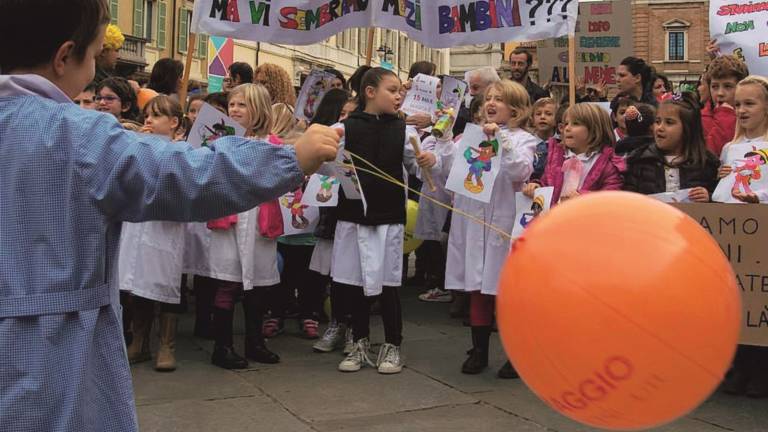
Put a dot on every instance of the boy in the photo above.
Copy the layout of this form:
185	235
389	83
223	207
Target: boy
719	118
619	106
68	178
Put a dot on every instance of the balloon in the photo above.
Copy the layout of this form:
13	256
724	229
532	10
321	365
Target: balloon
619	311
410	242
144	96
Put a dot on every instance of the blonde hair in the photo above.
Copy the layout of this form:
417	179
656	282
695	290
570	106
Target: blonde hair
278	82
761	82
285	124
539	104
259	107
516	97
597	122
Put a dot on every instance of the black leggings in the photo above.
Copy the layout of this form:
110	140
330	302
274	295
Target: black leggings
360	308
434	261
297	277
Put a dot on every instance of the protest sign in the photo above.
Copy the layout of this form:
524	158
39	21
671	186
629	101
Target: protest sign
748	162
528	209
422	97
476	164
741	29
315	87
212	124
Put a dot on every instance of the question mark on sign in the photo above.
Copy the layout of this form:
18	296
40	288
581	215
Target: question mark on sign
532	12
564	9
549	9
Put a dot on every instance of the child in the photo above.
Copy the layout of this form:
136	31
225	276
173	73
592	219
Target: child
475	254
235	256
678	159
367	249
719	118
194	106
586	161
639	120
544	127
151	259
87	98
619	106
115	96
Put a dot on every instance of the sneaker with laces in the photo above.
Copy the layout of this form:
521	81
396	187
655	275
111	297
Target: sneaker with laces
332	339
349	341
310	329
390	361
436	295
358	358
272	327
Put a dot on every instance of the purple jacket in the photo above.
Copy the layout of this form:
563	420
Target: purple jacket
604	175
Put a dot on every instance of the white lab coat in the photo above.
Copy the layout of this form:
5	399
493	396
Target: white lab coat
476	253
431	217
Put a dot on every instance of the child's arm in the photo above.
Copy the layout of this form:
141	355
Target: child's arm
518	154
631	178
612	178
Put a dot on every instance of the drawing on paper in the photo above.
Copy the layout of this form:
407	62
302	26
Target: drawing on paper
479	161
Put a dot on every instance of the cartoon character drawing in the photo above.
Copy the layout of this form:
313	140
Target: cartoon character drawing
218	130
326	188
313	96
748	169
293	202
536	208
350	173
480	163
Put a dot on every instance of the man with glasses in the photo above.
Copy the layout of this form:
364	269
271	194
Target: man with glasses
87	98
520	62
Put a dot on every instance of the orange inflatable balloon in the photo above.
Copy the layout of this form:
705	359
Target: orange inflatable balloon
144	96
619	311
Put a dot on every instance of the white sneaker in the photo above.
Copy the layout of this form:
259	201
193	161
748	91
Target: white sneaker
390	361
357	358
349	341
332	339
436	295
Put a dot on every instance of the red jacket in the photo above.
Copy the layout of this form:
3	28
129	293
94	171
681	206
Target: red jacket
719	127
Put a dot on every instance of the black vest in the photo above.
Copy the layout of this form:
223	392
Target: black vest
379	140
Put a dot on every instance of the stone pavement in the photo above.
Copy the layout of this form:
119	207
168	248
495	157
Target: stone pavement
305	392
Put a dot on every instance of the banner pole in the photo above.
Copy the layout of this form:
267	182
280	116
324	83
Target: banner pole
572	69
184	87
369	47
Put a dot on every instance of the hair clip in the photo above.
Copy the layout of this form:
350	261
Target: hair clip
677	96
632	113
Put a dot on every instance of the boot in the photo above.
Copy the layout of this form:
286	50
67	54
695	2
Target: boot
224	355
143	315
166	354
478	355
204	294
508	371
255	346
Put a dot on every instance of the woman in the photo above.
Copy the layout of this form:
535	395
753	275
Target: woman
636	78
278	83
166	76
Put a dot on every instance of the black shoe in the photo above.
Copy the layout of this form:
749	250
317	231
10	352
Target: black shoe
227	358
260	354
508	371
476	363
735	383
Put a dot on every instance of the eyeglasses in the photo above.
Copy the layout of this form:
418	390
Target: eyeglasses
109	99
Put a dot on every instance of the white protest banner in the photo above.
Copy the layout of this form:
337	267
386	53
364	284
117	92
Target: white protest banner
422	97
298	218
529	209
212	124
603	39
741	29
315	87
322	191
434	23
748	163
680	196
475	165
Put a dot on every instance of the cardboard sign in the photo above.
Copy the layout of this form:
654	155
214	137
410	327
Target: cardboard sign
212	124
741	29
422	97
742	232
315	87
476	164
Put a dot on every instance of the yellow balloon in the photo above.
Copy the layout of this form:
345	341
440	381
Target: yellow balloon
410	242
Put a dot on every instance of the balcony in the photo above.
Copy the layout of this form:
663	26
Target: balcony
132	52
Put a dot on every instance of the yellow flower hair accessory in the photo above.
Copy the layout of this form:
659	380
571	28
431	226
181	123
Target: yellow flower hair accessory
114	38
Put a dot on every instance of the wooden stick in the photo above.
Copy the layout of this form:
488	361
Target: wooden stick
369	48
424	171
572	69
183	89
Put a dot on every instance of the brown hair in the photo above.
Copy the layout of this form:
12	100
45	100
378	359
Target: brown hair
689	111
259	107
727	66
516	97
597	122
278	83
163	105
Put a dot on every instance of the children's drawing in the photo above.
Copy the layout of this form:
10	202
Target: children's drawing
528	209
347	176
210	125
476	164
298	218
748	169
316	85
747	162
322	191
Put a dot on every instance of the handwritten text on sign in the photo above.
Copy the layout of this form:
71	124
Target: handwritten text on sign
738	230
741	29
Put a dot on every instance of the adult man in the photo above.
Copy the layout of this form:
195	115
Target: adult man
239	73
520	62
477	80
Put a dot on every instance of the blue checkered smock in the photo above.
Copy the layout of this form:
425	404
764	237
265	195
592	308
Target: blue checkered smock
68	178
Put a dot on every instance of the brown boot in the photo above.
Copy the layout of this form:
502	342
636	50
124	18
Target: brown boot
143	315
166	358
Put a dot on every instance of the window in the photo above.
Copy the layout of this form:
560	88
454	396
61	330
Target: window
184	18
161	23
201	51
362	41
114	7
403	55
345	40
676	46
149	14
138	18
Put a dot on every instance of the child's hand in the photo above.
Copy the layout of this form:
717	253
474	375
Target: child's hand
419	120
491	129
713	49
569	195
724	171
426	160
529	189
747	198
698	194
146	129
318	144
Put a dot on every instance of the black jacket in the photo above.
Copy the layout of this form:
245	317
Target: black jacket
534	91
645	172
379	140
627	145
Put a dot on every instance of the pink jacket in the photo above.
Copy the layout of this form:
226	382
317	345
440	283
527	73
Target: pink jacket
604	175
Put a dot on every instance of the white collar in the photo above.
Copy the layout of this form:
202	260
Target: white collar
584	157
31	85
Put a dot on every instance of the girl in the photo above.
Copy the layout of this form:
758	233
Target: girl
679	158
586	154
335	107
475	254
749	374
235	256
544	127
194	106
115	96
367	249
151	259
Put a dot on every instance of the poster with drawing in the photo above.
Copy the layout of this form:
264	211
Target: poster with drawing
422	97
680	196
347	176
749	172
476	164
315	87
212	124
322	191
528	209
451	98
298	218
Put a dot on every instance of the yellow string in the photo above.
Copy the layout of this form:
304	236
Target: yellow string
382	175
